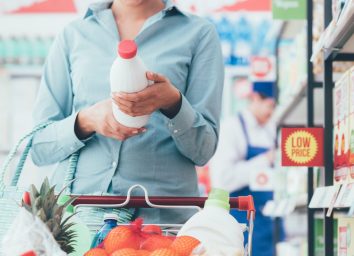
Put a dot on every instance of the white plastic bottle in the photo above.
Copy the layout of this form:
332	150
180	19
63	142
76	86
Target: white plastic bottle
214	226
128	74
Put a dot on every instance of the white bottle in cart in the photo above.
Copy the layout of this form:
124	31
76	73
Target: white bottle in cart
214	226
128	74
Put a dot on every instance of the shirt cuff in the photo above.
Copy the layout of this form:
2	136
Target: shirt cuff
184	119
67	137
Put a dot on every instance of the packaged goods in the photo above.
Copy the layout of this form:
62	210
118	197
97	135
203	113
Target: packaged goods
128	74
214	225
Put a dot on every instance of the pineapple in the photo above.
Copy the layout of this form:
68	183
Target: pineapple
43	204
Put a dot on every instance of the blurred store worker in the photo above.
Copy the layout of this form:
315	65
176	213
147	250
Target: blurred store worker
244	159
184	102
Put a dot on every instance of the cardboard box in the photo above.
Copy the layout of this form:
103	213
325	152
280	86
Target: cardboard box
341	151
341	99
351	123
342	128
346	236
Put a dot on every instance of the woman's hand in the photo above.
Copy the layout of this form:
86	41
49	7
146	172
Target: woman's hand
99	118
161	95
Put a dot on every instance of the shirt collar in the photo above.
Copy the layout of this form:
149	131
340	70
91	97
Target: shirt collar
170	6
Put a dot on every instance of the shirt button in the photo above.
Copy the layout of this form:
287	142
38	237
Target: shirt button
114	164
175	131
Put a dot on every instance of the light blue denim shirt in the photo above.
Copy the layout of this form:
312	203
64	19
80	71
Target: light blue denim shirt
183	47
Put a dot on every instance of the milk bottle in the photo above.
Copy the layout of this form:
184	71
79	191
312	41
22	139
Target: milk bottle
128	74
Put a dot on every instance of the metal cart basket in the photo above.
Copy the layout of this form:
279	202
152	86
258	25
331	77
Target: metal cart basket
242	203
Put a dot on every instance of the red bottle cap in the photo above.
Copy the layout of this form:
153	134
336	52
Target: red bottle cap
127	49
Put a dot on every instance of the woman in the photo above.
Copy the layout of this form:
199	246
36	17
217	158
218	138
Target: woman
184	54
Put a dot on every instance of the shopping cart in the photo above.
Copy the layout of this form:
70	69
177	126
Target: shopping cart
242	203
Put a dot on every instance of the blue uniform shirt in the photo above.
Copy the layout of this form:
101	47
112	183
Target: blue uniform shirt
183	47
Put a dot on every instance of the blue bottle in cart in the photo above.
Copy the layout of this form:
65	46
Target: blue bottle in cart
110	222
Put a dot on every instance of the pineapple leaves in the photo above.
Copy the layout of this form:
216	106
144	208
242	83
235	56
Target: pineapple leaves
44	205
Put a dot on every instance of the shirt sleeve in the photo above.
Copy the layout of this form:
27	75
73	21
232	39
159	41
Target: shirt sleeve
195	128
55	103
228	168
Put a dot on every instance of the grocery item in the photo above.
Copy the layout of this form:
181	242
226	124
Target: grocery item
164	252
110	222
341	129
214	226
128	74
125	252
80	229
351	123
319	235
45	205
96	252
143	253
345	236
155	242
185	245
122	237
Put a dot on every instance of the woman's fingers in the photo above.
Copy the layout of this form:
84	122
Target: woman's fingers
155	77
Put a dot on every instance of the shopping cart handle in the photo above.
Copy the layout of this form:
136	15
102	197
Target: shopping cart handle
242	203
246	203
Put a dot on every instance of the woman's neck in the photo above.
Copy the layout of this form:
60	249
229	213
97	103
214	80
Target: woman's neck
124	11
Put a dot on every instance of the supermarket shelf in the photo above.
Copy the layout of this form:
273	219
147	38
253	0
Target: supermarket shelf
282	112
285	206
231	71
341	39
24	72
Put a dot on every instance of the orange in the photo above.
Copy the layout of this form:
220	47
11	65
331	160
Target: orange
143	253
164	252
152	229
156	242
184	245
125	252
96	252
120	238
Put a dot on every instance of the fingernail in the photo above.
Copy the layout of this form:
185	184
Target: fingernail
135	132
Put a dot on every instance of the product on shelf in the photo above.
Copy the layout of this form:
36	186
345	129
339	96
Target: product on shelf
341	129
345	236
319	235
23	50
351	123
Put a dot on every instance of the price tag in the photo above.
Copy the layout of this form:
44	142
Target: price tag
351	210
317	198
346	196
333	199
323	197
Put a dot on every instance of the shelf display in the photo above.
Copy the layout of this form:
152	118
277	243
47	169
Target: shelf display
341	129
345	236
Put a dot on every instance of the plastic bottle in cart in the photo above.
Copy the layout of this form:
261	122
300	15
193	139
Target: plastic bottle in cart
110	222
128	74
214	226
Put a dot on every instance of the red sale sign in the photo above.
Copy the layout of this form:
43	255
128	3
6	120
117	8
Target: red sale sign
302	146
